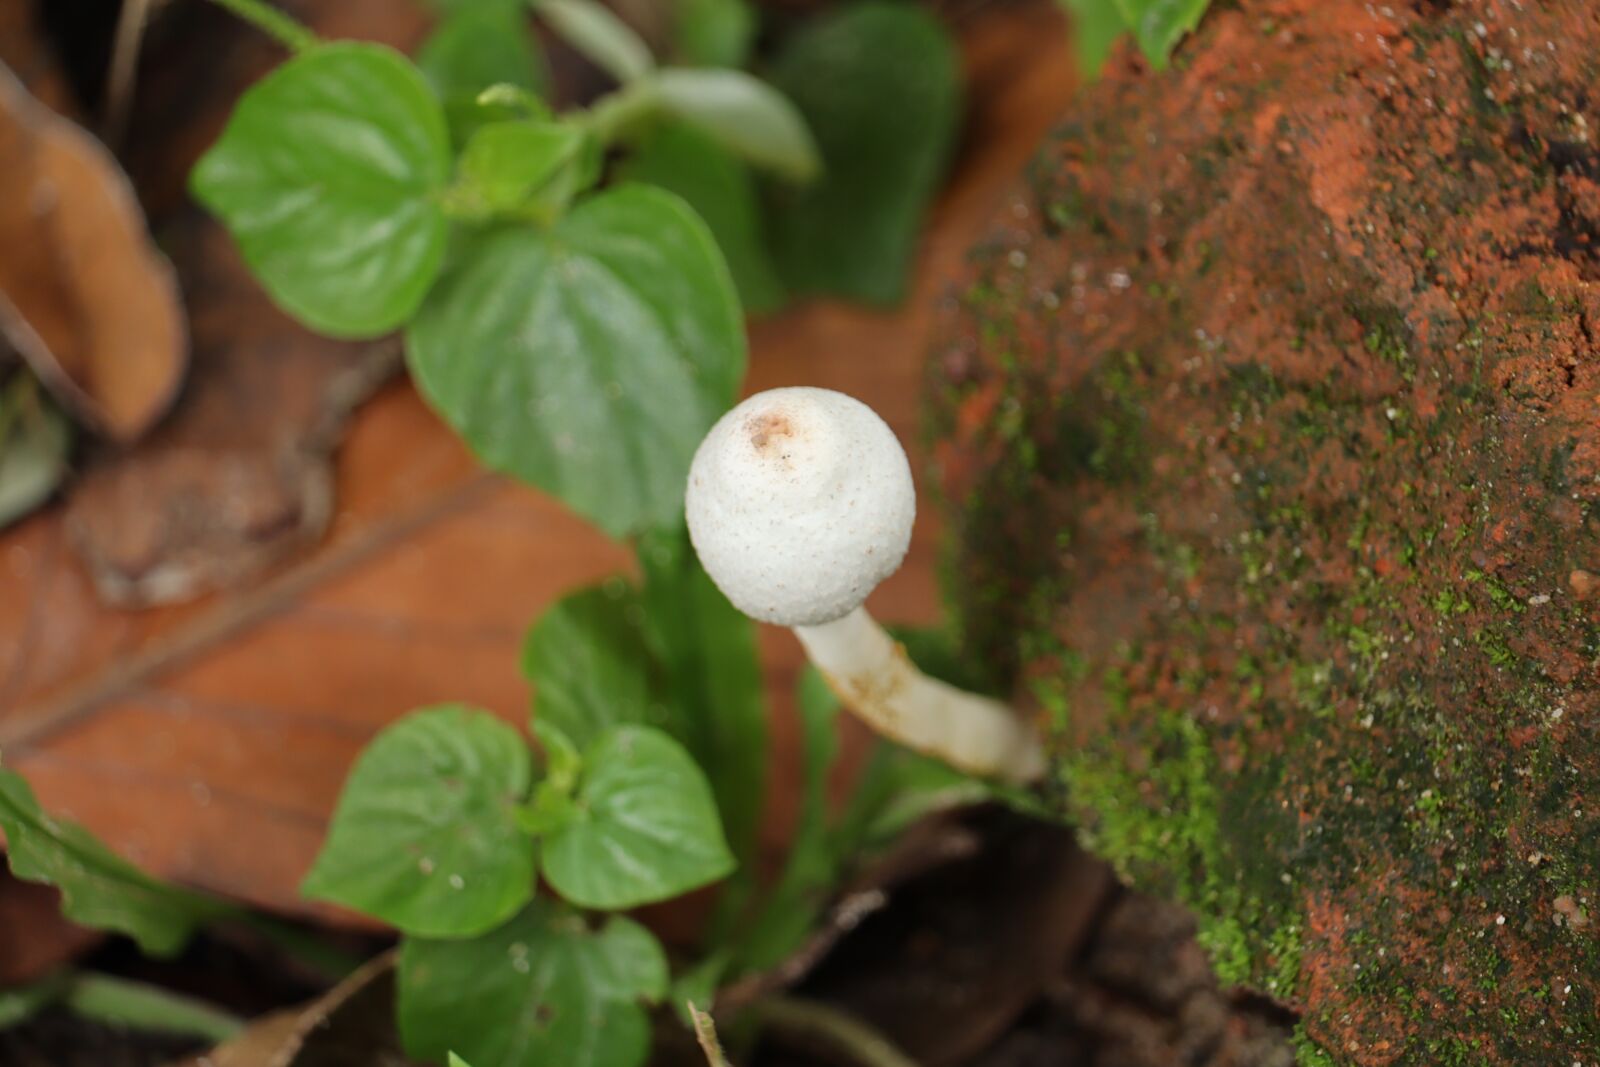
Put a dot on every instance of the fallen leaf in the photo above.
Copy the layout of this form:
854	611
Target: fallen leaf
85	298
351	1025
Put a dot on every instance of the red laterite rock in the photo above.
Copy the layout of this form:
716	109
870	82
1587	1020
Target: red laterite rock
1269	422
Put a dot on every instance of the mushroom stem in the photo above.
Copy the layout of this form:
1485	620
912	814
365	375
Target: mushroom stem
870	672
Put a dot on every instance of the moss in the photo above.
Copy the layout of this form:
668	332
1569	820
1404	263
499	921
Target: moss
1290	585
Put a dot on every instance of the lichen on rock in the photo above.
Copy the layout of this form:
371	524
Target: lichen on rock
1269	423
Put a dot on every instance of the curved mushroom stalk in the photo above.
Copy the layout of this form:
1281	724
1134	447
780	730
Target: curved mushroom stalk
800	501
871	674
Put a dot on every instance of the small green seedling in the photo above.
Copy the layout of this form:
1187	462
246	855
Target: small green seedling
582	334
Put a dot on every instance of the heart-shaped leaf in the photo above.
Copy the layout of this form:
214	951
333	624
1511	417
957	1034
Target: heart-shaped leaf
328	175
707	648
544	989
646	826
588	359
589	664
425	834
722	191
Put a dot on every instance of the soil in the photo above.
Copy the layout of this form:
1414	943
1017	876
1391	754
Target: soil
1129	986
995	942
1268	424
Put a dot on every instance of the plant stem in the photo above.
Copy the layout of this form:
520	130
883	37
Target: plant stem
839	1030
304	948
705	1032
283	28
122	1002
614	115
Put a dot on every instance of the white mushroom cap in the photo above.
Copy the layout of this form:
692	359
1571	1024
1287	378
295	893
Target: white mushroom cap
800	502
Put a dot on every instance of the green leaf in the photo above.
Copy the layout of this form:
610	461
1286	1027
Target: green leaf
591	29
476	47
327	175
21	1003
879	86
707	649
99	889
744	115
425	835
1096	25
507	165
457	1061
589	663
1159	25
540	991
898	788
714	33
811	871
35	441
647	827
127	1004
590	359
722	191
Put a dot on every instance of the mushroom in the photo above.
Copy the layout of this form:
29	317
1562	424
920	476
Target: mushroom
800	502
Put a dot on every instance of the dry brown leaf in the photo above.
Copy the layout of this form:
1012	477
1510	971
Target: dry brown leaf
351	1025
85	297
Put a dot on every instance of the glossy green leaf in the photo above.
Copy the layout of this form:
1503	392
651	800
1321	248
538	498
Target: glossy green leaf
456	1061
1096	25
1159	25
589	663
588	359
543	990
99	889
647	827
743	114
425	835
592	29
879	87
722	191
506	165
714	33
473	48
707	651
35	443
328	176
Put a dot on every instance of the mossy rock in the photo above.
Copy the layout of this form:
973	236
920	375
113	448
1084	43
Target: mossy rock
1269	427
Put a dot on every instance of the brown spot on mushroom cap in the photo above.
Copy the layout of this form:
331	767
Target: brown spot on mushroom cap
768	426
